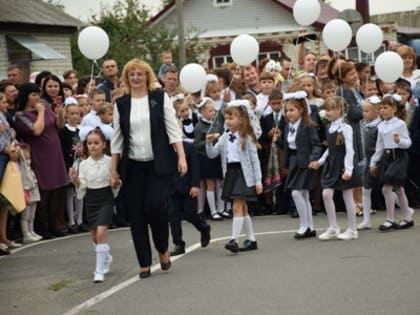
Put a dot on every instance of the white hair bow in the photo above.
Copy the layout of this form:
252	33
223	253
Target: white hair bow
203	102
374	99
396	97
212	78
297	95
105	129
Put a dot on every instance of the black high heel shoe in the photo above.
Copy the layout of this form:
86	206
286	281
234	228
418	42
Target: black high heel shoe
145	274
166	265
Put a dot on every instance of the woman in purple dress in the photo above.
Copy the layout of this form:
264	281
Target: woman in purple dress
38	125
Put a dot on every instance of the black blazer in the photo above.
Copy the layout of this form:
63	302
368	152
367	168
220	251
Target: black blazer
192	178
164	155
308	145
267	123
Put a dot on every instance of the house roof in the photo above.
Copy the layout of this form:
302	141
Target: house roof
35	12
327	12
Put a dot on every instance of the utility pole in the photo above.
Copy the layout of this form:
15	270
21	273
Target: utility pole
181	37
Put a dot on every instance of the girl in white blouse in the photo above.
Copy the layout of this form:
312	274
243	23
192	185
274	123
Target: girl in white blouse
337	173
391	149
94	184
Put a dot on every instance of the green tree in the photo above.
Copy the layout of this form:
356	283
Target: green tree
132	36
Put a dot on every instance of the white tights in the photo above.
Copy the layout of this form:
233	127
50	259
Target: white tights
390	202
27	218
328	196
74	207
304	209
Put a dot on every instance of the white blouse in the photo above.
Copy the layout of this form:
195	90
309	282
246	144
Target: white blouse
233	147
140	148
340	126
94	174
291	136
386	131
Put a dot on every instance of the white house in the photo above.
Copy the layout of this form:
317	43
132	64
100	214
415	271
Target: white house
271	22
35	36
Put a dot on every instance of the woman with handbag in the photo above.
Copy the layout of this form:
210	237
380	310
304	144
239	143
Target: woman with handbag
8	151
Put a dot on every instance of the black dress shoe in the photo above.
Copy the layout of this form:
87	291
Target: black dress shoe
233	246
249	245
144	274
205	237
178	250
404	224
165	265
308	233
387	226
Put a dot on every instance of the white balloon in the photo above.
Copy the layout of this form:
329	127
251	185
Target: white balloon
93	42
337	34
389	66
306	12
369	37
244	49
192	77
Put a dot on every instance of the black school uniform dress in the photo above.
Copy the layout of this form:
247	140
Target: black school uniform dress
339	157
370	136
393	156
302	145
209	168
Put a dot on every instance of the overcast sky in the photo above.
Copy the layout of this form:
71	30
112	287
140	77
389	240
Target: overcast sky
83	9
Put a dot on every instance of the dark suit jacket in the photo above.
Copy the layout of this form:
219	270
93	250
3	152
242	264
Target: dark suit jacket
308	145
164	155
267	123
414	130
192	178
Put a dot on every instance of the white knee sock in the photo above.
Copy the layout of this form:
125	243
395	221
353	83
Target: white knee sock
350	208
367	204
300	204
211	201
249	230
70	205
237	224
78	203
220	201
309	217
402	199
327	196
102	251
389	202
201	197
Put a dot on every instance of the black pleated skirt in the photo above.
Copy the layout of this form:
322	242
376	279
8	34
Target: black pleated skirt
299	178
332	172
394	166
234	185
99	206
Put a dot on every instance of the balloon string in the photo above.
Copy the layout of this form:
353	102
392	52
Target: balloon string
91	75
341	85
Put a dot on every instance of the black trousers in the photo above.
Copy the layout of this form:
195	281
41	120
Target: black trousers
146	195
183	204
51	212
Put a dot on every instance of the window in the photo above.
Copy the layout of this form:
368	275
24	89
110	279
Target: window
218	61
359	56
222	3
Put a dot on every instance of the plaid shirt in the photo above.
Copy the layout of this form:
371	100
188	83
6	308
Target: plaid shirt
6	135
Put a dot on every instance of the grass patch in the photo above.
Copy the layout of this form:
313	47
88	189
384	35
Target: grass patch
59	285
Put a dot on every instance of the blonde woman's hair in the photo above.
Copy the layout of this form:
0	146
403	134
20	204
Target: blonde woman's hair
138	64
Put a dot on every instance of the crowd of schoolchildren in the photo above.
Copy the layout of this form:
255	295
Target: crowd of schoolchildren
258	141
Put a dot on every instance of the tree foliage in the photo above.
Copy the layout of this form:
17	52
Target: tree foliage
132	36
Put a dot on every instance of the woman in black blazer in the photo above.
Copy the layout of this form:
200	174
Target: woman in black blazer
146	151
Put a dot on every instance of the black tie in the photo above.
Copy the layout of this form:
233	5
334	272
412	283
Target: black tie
292	130
232	137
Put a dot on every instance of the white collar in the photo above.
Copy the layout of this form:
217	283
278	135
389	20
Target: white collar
390	121
337	122
100	161
71	128
296	124
205	120
374	122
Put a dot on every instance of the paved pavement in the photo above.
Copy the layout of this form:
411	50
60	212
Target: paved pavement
377	274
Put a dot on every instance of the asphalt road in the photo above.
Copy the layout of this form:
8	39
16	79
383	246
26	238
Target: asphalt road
377	274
